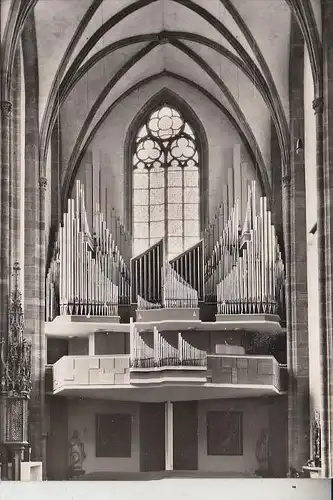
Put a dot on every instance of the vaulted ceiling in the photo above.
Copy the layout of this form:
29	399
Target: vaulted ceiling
93	52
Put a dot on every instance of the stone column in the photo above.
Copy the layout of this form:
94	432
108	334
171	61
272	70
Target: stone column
6	110
16	170
17	453
168	436
286	181
296	264
42	341
318	109
323	108
34	240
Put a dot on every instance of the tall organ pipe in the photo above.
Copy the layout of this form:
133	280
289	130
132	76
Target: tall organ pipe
162	352
87	274
253	282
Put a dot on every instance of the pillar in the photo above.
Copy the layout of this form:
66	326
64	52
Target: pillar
91	344
16	170
318	109
17	455
6	110
294	203
34	242
168	436
323	108
41	316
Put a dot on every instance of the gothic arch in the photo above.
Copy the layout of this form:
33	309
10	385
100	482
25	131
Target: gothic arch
170	98
246	136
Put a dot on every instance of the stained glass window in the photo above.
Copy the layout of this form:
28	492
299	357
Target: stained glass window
166	183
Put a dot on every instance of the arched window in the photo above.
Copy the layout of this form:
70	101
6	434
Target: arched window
166	182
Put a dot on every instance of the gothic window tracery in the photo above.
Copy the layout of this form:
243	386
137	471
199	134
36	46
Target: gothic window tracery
166	183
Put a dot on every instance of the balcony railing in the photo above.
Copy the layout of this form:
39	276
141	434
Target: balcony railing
72	371
77	372
168	362
244	370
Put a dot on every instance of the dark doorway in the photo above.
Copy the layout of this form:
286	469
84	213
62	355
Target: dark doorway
152	440
185	435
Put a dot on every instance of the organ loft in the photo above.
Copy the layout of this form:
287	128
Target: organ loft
175	315
165	257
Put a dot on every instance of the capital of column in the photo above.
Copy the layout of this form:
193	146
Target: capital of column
286	180
318	105
6	108
43	182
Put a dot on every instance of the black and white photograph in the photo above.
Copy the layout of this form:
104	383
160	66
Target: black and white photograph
166	247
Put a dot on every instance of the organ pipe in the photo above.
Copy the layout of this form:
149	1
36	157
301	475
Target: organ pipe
162	353
190	267
237	264
87	274
224	253
148	264
177	292
253	281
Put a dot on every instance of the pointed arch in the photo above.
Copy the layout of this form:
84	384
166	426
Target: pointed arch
169	98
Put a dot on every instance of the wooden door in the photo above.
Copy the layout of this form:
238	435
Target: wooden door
185	435
152	437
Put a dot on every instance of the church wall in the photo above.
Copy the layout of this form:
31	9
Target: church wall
255	420
312	247
106	152
256	417
82	417
111	343
78	347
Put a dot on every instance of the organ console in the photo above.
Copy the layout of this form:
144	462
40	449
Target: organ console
237	265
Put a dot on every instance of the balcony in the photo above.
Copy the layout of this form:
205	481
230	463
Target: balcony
90	372
215	377
80	326
245	371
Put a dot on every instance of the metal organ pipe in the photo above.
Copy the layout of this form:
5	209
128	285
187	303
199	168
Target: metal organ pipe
253	282
87	273
237	266
177	292
162	353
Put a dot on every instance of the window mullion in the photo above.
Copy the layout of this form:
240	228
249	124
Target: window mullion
183	210
149	222
166	214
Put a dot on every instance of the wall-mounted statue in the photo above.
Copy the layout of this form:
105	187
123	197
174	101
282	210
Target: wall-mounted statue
76	455
263	453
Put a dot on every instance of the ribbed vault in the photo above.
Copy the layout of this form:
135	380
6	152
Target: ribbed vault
92	53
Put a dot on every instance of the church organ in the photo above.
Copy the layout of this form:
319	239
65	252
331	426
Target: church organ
152	349
147	275
159	283
237	265
190	266
87	274
254	281
221	250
